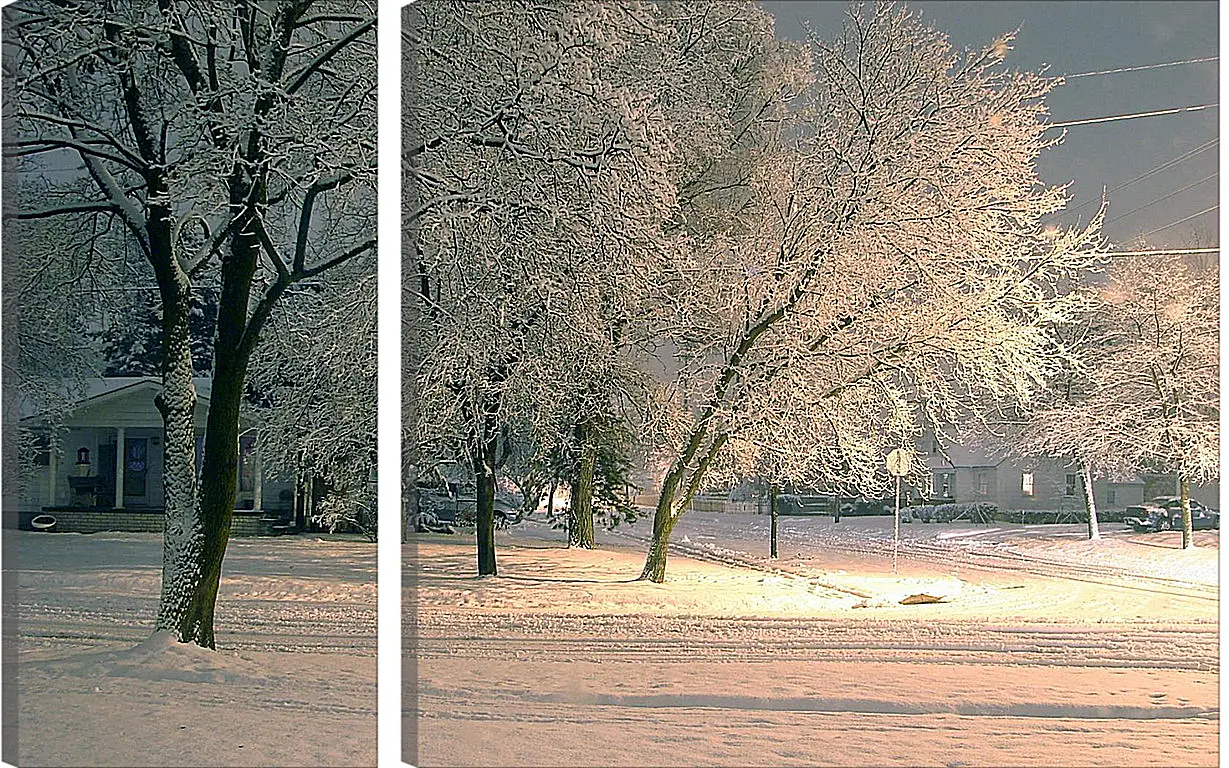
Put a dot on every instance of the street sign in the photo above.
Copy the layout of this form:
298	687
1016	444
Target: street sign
899	461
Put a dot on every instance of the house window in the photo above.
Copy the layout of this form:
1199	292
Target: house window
1111	496
1027	480
943	482
1072	481
983	484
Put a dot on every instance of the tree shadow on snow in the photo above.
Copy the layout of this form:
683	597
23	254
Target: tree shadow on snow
549	580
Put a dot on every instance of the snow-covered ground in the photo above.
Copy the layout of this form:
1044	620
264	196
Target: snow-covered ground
293	681
1045	650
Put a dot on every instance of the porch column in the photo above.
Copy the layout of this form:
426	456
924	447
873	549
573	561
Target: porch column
53	467
119	467
258	481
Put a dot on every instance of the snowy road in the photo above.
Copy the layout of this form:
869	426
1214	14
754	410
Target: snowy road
1045	651
1123	558
293	682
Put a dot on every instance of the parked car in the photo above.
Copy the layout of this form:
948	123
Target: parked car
1164	513
443	508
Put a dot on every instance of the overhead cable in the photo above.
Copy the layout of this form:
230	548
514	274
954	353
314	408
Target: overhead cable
1162	198
1151	172
1161	252
1141	67
1179	221
1132	115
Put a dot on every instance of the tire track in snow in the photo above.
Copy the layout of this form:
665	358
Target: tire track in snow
453	634
293	627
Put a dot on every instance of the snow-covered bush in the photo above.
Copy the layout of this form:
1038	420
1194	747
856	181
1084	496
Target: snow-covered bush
349	508
974	511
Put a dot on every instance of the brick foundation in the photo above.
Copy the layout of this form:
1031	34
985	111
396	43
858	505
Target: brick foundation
245	522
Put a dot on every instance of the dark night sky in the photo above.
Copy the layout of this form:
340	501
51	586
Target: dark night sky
1074	37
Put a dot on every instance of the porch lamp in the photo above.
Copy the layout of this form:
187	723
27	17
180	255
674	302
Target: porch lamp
83	462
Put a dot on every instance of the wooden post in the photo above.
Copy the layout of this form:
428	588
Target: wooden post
120	456
294	502
772	508
1184	494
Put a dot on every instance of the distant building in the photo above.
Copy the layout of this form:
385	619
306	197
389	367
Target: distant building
105	472
1038	484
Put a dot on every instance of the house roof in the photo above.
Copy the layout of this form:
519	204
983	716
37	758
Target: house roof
966	456
102	390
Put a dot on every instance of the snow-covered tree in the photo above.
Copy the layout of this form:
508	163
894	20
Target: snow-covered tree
590	453
509	199
54	301
315	379
545	148
233	144
1146	397
131	343
51	306
1042	428
881	264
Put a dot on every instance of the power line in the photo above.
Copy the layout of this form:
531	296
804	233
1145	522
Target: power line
1161	252
1137	69
1162	199
1152	172
1132	115
1179	221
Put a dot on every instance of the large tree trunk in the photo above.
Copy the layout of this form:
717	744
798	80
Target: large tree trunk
1188	525
188	606
686	476
183	538
1090	502
217	488
484	480
580	516
184	533
677	491
663	523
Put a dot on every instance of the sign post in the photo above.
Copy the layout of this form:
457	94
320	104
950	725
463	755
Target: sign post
898	466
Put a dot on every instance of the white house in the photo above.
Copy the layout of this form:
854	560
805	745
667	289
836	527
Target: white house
99	465
1038	484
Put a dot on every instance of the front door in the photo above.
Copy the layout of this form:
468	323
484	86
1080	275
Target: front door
105	467
136	467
